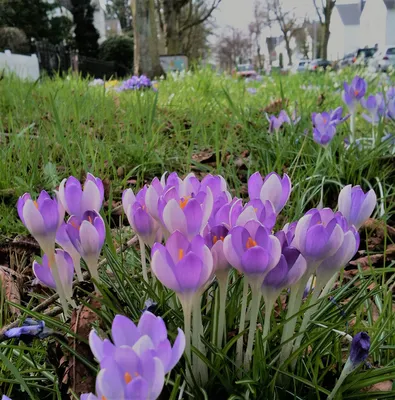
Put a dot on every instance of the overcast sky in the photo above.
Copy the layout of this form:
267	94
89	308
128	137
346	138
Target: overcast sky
239	13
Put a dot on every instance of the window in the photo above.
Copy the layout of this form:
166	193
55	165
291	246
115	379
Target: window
391	51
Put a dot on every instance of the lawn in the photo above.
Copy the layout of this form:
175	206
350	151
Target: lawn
203	123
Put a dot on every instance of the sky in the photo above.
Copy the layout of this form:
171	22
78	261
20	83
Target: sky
239	13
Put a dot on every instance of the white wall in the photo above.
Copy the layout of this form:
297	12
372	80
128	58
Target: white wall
99	19
390	37
25	67
374	23
336	39
352	38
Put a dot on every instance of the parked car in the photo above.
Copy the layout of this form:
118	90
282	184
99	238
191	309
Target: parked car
246	71
384	59
319	63
301	66
360	57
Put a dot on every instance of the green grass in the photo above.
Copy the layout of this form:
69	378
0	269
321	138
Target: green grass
54	128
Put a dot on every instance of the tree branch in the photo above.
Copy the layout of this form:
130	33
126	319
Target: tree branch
318	11
203	17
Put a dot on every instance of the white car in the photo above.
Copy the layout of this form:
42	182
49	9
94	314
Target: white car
384	59
301	66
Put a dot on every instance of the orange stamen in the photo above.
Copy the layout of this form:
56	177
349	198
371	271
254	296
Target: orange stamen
251	243
35	204
90	219
128	378
180	254
221	238
103	398
184	201
356	92
215	239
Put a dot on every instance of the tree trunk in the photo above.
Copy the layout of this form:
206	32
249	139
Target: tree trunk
173	44
288	48
146	57
330	5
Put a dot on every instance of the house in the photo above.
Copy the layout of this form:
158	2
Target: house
378	23
113	27
99	17
345	29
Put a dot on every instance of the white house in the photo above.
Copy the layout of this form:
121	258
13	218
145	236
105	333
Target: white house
345	29
378	23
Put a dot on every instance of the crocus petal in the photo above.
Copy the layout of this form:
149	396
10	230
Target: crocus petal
255	183
255	261
124	331
96	345
174	217
152	326
91	199
177	350
138	389
163	271
188	273
44	274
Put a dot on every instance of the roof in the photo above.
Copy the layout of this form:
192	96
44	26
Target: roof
390	4
350	14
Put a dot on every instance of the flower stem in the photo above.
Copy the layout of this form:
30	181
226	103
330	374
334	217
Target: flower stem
269	302
58	282
143	259
187	310
223	287
199	367
295	301
255	303
348	368
239	345
352	126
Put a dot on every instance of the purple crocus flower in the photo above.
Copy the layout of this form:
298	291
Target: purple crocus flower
140	220
375	105
355	205
64	263
291	267
76	199
318	236
215	242
360	347
260	211
276	123
63	240
353	93
150	334
252	250
154	191
391	108
87	236
390	94
127	375
336	116
135	83
188	214
347	250
228	214
324	129
182	266
251	90
30	329
273	188
4	397
42	218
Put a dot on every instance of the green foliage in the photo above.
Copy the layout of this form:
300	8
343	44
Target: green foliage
119	49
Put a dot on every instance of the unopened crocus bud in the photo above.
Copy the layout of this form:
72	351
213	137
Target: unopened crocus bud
353	93
88	236
360	347
273	188
215	242
42	218
318	236
355	205
77	199
65	265
140	220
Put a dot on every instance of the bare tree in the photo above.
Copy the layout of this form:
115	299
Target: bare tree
256	27
233	48
146	55
180	16
286	21
324	12
301	35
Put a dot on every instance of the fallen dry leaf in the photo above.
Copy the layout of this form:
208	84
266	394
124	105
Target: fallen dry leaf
385	386
367	261
10	286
